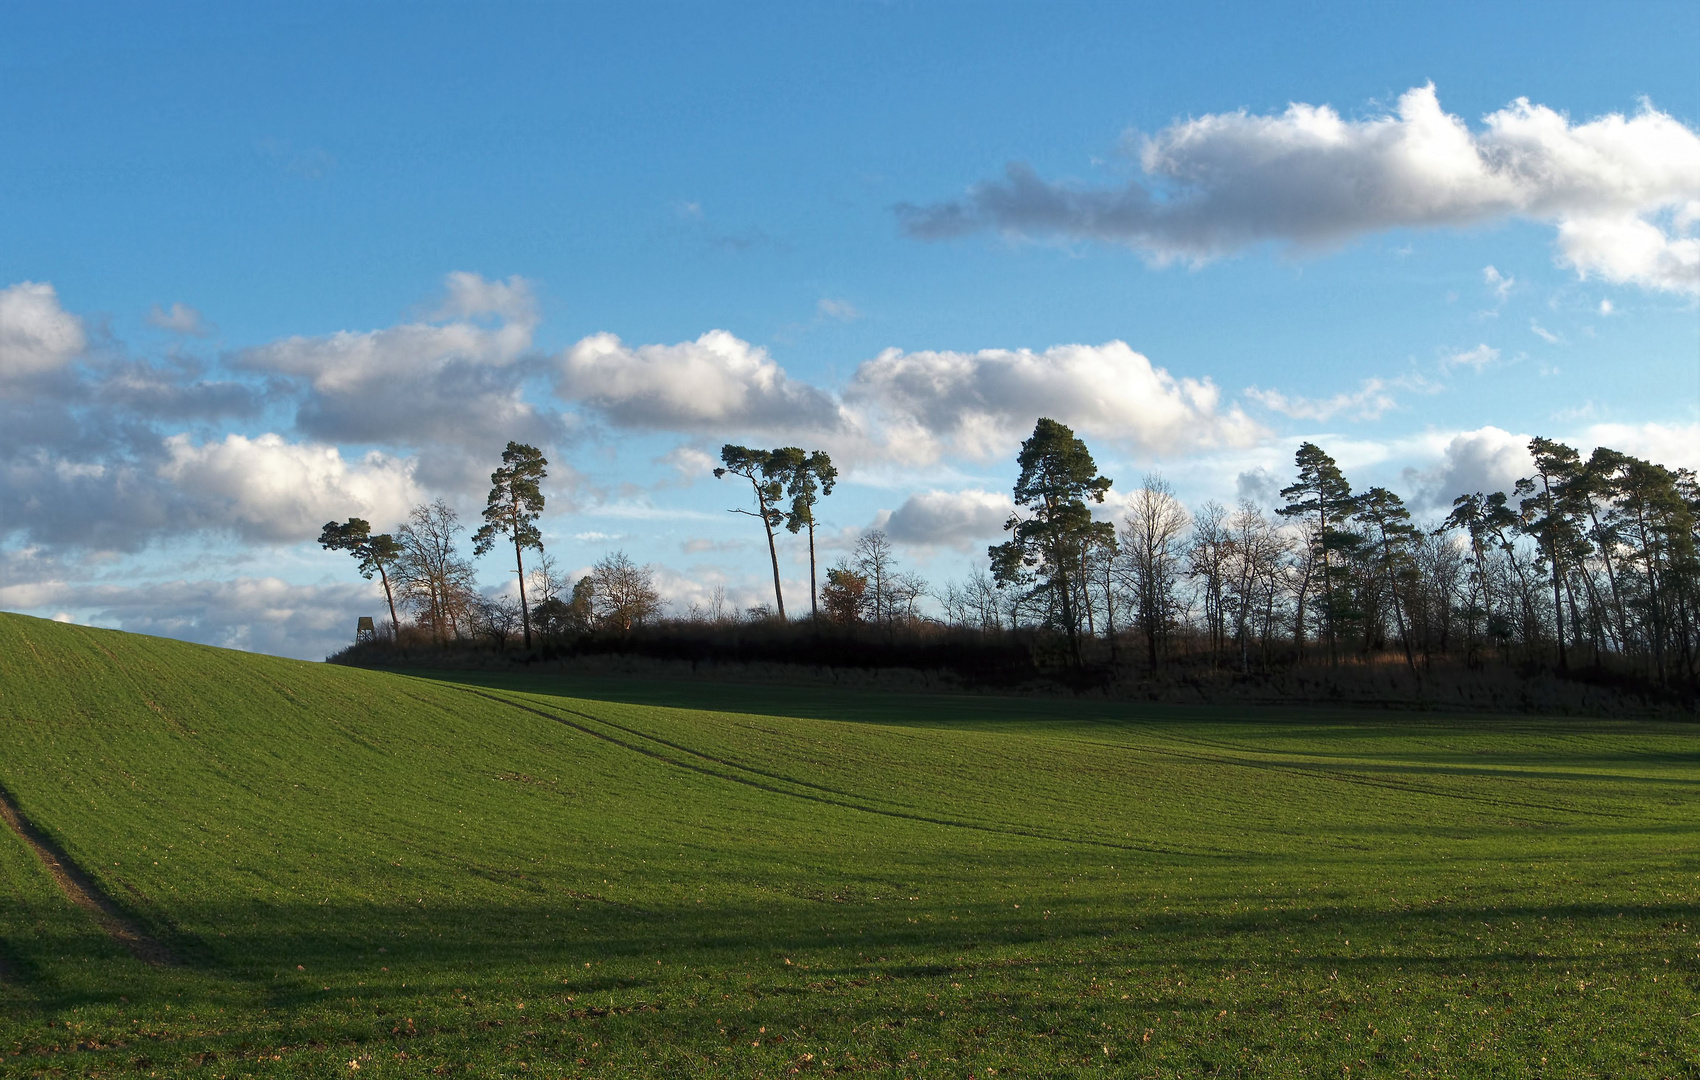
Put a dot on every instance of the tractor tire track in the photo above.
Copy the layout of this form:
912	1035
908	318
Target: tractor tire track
775	789
83	891
1215	753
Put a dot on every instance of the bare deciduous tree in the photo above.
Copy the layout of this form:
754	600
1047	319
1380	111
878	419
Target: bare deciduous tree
622	593
434	578
1150	559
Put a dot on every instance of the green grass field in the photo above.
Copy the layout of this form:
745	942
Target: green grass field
387	875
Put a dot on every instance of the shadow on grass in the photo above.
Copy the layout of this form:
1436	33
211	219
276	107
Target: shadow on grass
294	958
991	711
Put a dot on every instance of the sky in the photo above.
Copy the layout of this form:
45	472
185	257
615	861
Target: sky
266	266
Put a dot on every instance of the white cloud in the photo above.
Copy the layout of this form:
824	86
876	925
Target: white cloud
1368	402
927	404
458	383
1671	445
1500	284
1478	358
1605	307
268	489
1624	192
716	383
1628	249
37	336
1544	334
1492	459
179	318
689	464
1488	459
958	519
469	296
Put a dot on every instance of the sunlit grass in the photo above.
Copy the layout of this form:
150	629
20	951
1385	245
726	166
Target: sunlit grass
390	875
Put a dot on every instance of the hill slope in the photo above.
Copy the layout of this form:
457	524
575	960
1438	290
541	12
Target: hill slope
347	867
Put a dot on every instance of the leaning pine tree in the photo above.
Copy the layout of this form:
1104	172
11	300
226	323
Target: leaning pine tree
516	502
765	472
374	552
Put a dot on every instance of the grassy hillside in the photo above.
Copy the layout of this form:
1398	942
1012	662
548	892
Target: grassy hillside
364	872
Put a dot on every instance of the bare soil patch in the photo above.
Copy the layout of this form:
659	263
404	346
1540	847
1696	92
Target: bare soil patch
83	890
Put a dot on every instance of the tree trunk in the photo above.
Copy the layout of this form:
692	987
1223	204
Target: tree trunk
1327	588
524	613
395	623
773	553
1393	591
814	591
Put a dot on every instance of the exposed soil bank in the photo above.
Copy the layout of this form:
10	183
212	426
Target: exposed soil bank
83	890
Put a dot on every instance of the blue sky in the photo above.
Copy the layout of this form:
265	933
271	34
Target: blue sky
395	232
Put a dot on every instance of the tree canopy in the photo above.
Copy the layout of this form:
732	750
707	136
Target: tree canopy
1052	527
808	479
767	482
374	553
514	505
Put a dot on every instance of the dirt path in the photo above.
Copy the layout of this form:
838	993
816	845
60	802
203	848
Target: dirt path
83	890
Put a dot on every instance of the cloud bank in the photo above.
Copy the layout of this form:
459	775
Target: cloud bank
964	520
457	382
930	404
715	383
1622	191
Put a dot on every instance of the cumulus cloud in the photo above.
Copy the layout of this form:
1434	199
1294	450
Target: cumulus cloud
689	464
980	404
715	383
1488	459
457	383
1623	191
37	336
173	390
1492	459
179	318
1257	485
1368	402
262	489
469	296
1671	445
1630	249
957	519
269	489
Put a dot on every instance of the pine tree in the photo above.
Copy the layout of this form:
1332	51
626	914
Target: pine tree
808	479
767	483
375	553
1058	477
515	503
1323	497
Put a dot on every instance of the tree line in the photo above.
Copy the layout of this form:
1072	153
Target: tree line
1588	561
1585	561
425	575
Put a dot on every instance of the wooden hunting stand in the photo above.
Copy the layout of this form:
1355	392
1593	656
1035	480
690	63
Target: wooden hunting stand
364	631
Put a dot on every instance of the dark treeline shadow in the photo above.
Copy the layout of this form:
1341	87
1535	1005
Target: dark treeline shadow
927	656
